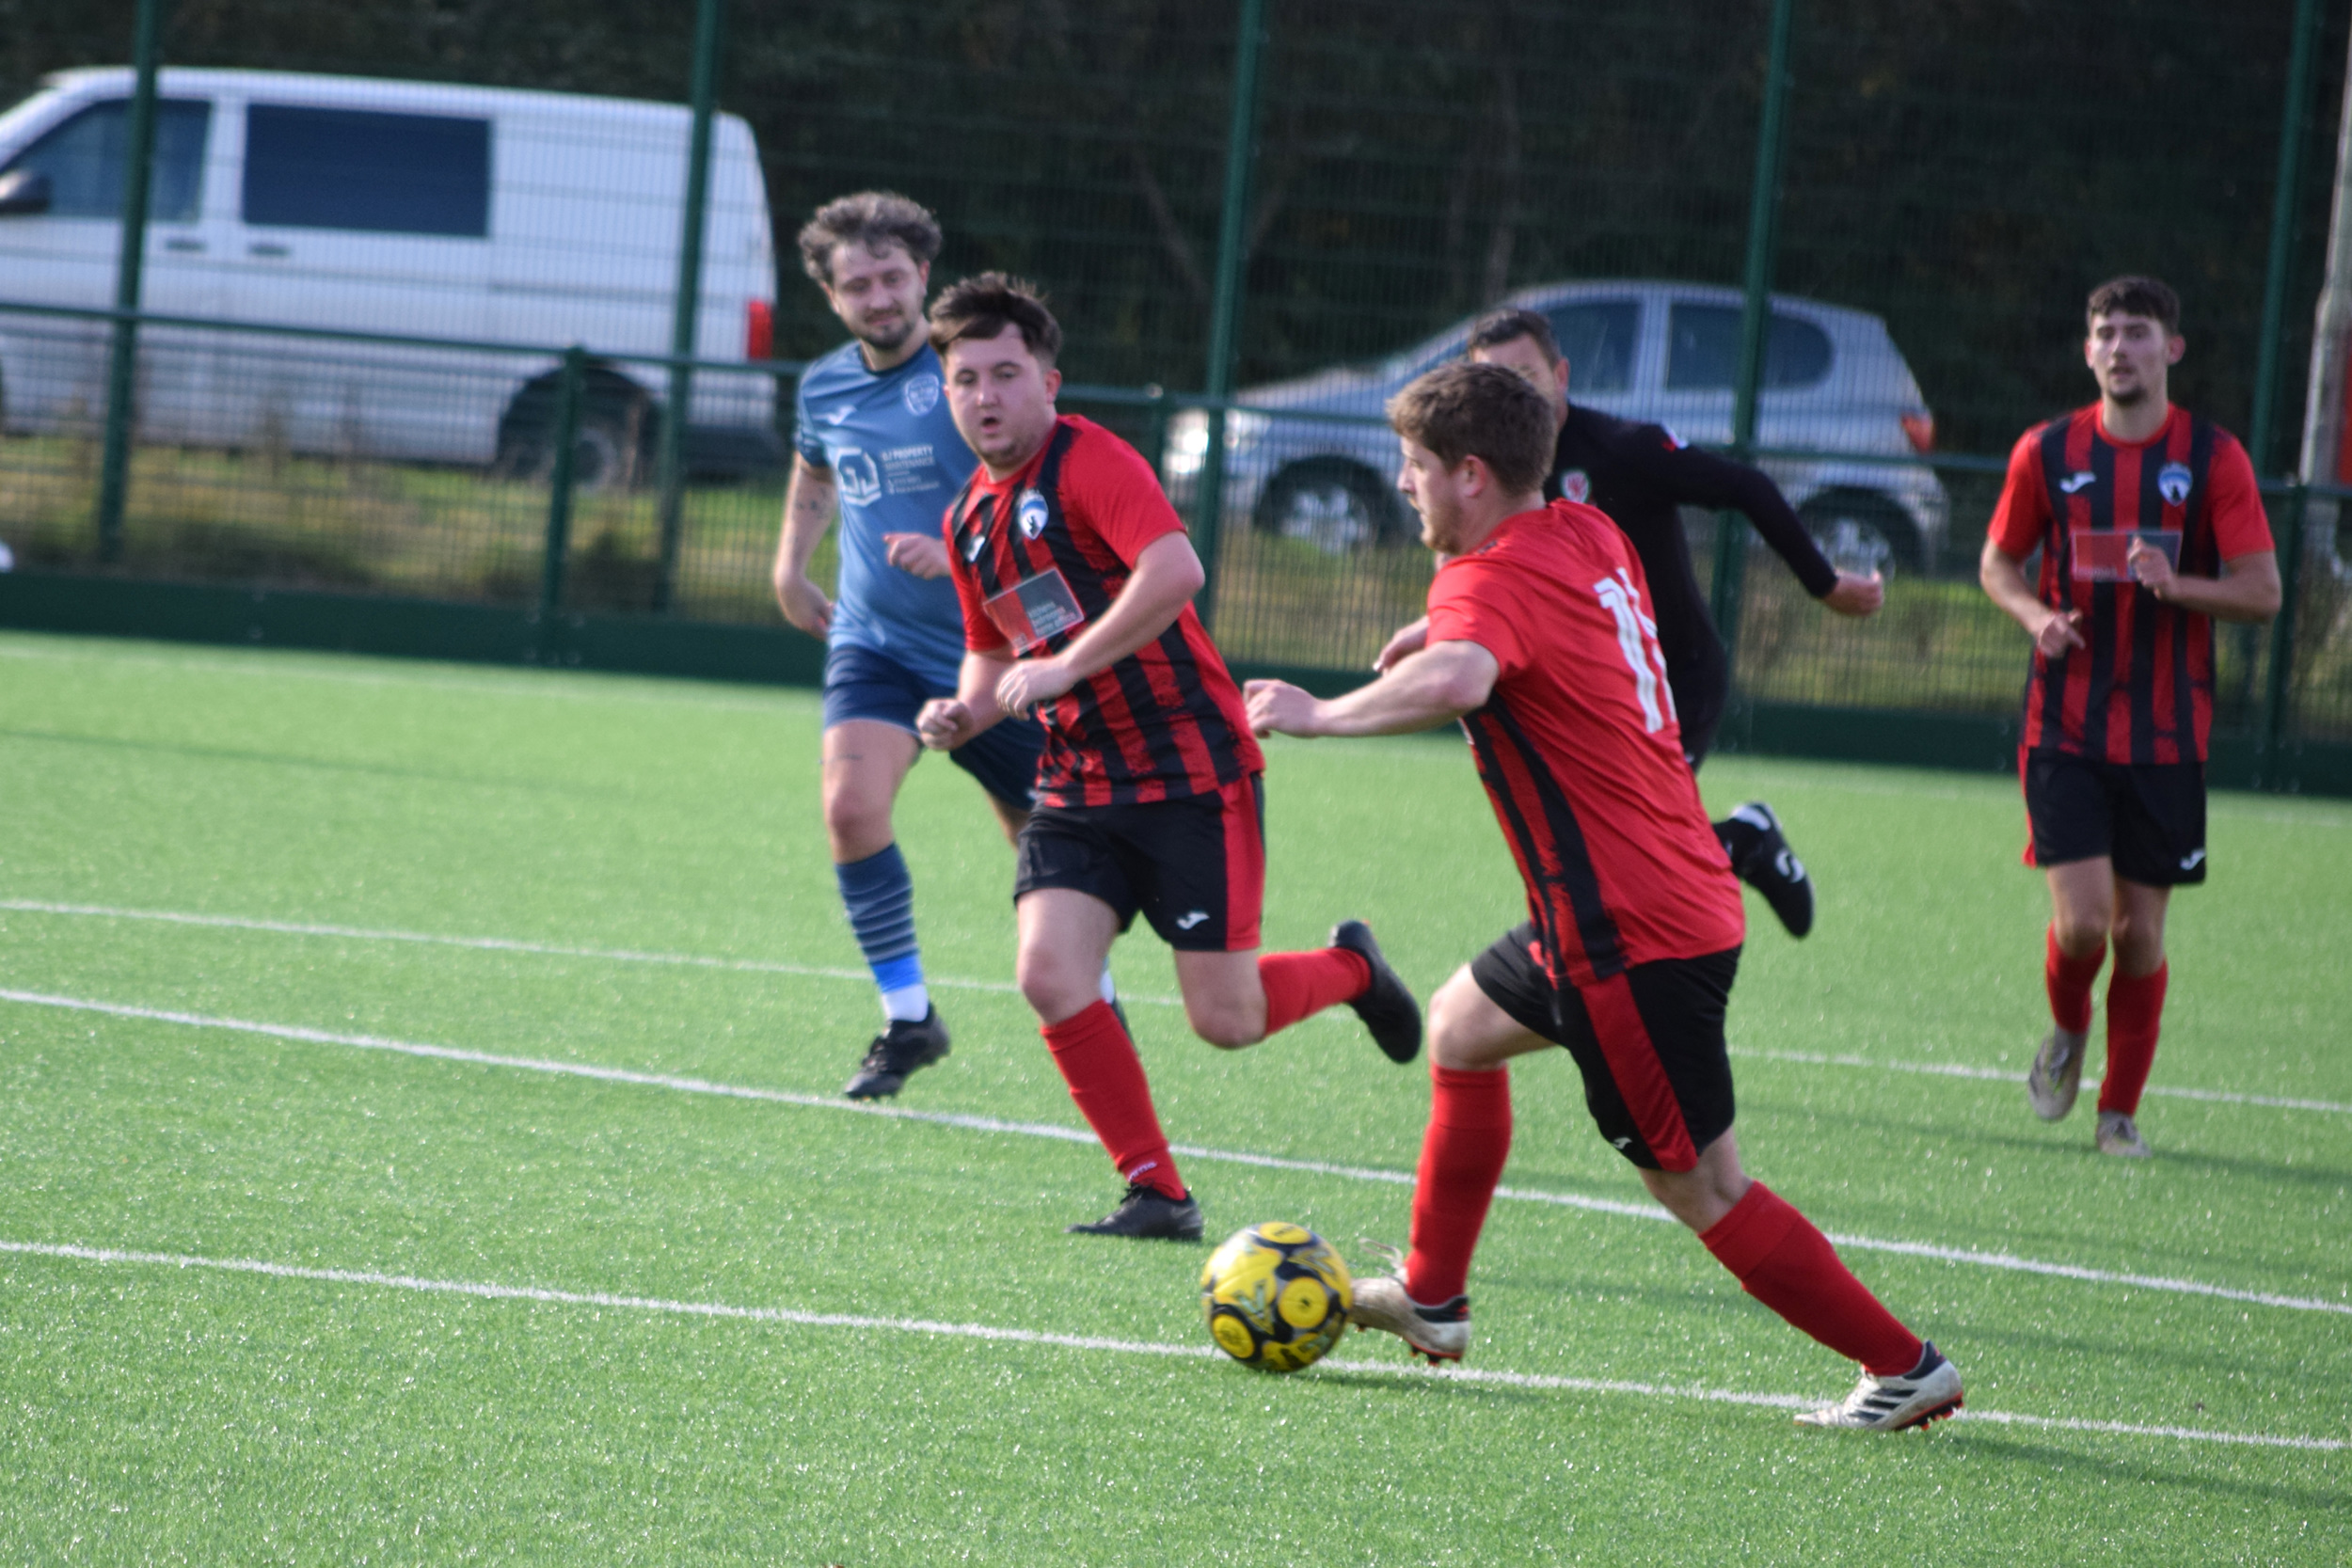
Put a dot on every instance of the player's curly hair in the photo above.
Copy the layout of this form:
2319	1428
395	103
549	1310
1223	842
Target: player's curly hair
1482	411
2136	296
984	304
875	219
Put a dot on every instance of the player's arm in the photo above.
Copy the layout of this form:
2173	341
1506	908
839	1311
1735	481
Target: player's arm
1695	478
946	722
1434	687
2247	589
1166	574
810	501
1407	638
2021	519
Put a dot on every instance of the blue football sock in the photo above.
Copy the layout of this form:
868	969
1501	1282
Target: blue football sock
879	897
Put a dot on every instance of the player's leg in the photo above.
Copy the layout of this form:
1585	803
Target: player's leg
1491	1011
1752	836
2069	808
2159	845
1070	902
867	756
1200	870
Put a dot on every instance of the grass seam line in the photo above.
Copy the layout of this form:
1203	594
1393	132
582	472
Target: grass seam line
793	1317
1002	987
1070	1134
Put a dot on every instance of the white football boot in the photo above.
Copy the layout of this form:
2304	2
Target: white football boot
1927	1392
1439	1333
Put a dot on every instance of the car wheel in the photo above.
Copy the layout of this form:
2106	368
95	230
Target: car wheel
613	447
1861	532
1335	506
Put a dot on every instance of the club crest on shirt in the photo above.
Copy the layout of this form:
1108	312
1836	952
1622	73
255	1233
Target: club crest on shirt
1030	513
921	393
2173	482
1576	485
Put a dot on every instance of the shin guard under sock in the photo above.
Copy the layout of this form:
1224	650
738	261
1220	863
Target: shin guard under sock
1299	985
1462	1154
1105	1077
2135	1013
2069	982
1779	1257
879	894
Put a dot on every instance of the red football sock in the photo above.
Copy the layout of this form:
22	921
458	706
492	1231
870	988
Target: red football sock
1462	1155
1105	1077
1783	1261
1298	985
2135	1012
2069	980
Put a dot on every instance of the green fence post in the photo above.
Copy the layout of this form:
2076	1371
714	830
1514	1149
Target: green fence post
114	474
2267	353
1241	151
686	304
1763	240
2278	692
570	390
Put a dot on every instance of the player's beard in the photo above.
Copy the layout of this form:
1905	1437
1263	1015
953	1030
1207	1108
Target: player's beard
889	338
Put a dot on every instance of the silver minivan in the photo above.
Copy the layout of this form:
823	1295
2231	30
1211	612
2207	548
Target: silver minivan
406	207
1666	353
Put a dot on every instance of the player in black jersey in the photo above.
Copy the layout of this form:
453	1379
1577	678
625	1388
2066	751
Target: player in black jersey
1639	474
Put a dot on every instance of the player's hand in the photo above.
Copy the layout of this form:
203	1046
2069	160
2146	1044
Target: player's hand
1409	640
804	604
1856	595
1030	682
944	723
918	555
2058	633
2151	568
1278	707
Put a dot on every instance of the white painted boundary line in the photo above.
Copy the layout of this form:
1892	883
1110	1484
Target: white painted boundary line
762	966
1070	1135
488	1291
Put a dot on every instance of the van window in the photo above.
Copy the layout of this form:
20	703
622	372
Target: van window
360	168
1703	350
84	156
1597	341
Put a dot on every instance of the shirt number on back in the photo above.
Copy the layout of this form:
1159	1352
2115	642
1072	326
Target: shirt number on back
1637	639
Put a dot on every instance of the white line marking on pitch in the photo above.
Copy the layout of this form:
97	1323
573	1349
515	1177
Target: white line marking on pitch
1070	1135
764	966
795	1318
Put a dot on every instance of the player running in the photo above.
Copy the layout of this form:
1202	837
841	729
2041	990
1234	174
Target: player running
874	441
2150	528
1541	642
1639	474
1077	582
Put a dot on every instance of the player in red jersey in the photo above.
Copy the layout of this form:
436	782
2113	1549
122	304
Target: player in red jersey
1077	579
1541	644
2150	528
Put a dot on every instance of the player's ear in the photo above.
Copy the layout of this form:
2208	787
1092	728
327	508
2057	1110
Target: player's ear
2174	346
1052	381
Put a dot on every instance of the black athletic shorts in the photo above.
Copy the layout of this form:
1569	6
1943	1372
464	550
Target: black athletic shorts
1650	1044
1194	867
2148	817
1700	689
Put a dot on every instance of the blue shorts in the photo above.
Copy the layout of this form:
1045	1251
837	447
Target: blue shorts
863	684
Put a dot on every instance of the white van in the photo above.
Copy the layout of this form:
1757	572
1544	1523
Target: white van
480	213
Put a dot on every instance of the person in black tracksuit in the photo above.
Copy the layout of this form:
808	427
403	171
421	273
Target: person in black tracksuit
1640	475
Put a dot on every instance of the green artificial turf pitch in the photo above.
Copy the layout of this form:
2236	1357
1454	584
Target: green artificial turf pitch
769	1329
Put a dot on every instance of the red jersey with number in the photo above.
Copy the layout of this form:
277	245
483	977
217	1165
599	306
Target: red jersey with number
2141	688
1579	748
1043	555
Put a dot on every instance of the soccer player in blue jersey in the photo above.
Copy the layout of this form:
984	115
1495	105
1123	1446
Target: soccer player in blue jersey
874	443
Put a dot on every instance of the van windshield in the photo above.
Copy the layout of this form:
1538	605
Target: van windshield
84	159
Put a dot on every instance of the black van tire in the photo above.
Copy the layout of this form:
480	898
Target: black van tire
618	437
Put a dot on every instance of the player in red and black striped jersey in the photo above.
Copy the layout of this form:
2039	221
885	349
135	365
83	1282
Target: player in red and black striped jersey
1541	642
2150	528
1077	579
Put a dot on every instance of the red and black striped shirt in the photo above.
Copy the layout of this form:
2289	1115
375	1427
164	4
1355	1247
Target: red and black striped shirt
1041	556
1579	750
2141	690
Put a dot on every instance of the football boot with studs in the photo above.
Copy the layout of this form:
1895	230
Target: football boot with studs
1387	1007
1149	1214
1929	1392
897	1051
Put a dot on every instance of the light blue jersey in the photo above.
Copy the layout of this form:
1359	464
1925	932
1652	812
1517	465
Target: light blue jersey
896	462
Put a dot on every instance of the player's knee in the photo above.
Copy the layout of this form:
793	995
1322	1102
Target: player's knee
1052	986
1453	1043
857	825
2081	933
1226	1025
